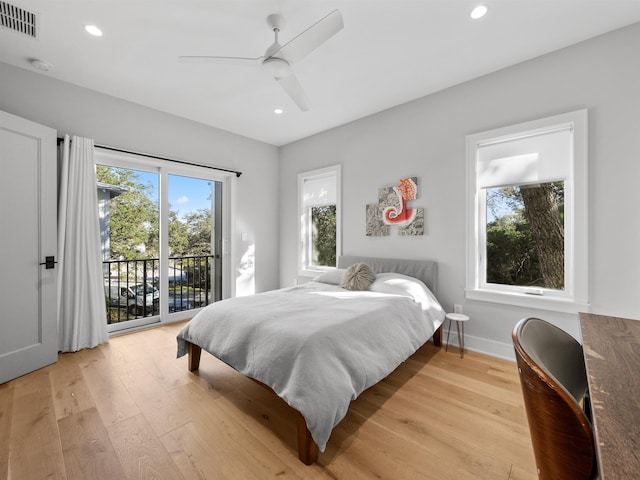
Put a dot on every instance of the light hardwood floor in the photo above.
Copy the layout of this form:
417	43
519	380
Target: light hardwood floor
131	410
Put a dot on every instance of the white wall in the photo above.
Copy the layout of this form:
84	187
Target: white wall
117	123
426	138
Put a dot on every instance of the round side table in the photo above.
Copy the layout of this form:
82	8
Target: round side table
458	318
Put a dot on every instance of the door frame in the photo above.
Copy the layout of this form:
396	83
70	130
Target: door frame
164	168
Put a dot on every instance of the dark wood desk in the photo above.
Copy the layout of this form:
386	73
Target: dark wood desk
612	356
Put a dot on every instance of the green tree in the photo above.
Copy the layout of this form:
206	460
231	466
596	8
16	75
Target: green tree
134	220
323	220
198	225
511	255
544	215
525	239
178	235
133	215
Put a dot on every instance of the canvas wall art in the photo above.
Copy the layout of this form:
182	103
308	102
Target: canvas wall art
392	209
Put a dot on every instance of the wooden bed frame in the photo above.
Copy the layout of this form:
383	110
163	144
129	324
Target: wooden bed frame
307	448
422	269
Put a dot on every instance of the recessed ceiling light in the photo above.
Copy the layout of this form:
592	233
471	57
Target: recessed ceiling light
478	12
278	111
93	30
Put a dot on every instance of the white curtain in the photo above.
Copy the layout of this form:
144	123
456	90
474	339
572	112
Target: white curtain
82	317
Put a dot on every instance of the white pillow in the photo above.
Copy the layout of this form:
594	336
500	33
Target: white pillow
398	284
332	277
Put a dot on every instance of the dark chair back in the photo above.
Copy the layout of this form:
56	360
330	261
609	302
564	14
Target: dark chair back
554	385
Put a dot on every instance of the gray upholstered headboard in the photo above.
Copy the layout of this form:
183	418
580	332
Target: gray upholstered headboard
425	270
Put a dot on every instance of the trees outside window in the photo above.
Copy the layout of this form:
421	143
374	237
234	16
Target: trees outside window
161	231
324	235
133	219
133	215
525	235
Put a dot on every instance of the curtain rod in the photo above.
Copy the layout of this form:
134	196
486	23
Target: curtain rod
120	150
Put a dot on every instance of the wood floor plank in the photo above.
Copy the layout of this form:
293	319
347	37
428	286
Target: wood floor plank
465	456
474	382
157	404
217	376
130	409
141	453
154	358
271	422
109	394
35	450
88	452
70	392
227	441
6	415
408	417
400	458
496	435
518	473
215	453
496	403
191	453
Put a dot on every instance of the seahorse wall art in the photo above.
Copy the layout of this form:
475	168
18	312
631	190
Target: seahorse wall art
392	210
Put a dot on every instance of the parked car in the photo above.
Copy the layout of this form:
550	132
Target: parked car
138	299
178	303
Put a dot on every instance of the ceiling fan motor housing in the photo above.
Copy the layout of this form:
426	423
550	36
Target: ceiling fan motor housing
277	67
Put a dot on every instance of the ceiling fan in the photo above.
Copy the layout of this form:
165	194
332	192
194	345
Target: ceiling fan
278	59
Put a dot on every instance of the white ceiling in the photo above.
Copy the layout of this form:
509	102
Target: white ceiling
389	52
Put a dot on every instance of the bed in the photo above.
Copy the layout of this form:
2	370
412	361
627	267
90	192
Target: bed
318	345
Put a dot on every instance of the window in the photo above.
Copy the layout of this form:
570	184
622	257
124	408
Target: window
319	209
162	231
527	214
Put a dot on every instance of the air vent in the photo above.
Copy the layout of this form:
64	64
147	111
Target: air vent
18	19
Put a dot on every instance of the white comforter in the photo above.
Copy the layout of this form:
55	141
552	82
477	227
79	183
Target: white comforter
318	346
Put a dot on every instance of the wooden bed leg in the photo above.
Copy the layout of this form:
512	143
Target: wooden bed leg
194	357
437	337
307	448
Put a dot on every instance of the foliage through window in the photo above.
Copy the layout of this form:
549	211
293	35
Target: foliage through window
525	235
134	218
132	214
323	244
161	233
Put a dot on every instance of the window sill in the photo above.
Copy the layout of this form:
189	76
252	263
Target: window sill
308	272
556	304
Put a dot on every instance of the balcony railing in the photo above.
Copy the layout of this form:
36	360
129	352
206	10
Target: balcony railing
132	287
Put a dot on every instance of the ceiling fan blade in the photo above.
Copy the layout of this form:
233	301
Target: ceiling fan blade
239	61
314	36
291	85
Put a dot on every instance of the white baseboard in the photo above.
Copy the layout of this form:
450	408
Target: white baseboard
482	345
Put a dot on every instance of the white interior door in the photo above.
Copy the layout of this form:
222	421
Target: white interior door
28	297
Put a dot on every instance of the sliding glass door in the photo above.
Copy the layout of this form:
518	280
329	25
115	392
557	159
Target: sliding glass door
128	205
194	273
162	234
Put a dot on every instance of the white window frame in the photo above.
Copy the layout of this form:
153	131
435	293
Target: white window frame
304	245
574	297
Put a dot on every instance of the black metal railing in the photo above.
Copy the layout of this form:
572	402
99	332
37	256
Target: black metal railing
132	287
